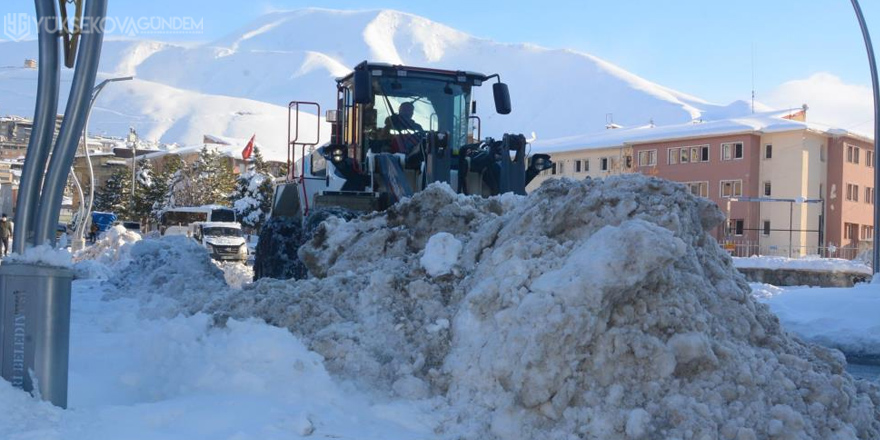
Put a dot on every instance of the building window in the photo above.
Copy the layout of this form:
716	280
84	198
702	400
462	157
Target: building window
648	158
699	189
731	188
766	228
823	152
672	156
553	170
736	227
869	195
695	154
577	166
731	151
869	158
850	231
586	165
852	192
561	167
768	151
867	232
852	154
767	189
628	160
603	164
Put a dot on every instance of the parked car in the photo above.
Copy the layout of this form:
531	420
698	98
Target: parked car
132	226
224	240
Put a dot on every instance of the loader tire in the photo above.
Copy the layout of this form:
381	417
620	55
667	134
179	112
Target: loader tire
281	238
277	248
318	215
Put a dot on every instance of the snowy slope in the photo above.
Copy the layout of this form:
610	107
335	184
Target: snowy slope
161	112
295	55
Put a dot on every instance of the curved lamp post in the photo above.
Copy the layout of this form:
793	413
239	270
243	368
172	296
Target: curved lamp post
876	87
79	235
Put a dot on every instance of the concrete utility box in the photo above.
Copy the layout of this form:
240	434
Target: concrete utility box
35	329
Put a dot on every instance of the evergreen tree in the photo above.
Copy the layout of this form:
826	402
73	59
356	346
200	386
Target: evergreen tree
160	194
115	195
143	205
217	179
208	181
252	198
260	163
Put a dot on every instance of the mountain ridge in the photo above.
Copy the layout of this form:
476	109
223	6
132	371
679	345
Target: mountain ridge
285	55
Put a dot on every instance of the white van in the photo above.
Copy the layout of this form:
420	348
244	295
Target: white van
224	240
179	220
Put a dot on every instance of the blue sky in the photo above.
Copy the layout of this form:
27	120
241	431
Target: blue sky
701	47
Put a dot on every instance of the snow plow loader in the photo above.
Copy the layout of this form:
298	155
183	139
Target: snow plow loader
395	130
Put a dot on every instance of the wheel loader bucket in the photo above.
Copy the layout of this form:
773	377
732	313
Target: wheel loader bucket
286	201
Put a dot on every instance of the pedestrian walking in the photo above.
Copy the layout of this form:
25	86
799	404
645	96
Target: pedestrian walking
5	234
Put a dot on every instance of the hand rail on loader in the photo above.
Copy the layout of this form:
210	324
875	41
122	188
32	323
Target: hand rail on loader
293	141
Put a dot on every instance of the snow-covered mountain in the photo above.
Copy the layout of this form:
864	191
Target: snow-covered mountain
239	85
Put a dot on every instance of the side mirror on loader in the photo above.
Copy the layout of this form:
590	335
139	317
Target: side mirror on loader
362	86
502	98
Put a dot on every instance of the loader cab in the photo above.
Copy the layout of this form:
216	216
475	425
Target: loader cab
368	118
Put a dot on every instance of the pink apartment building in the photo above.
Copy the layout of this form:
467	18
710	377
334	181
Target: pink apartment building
819	178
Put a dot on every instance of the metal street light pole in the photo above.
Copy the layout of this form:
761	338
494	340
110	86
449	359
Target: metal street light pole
133	139
79	239
874	83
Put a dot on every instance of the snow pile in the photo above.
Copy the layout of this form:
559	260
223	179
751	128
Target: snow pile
593	309
168	276
845	319
111	252
813	263
43	255
441	254
866	258
762	291
236	274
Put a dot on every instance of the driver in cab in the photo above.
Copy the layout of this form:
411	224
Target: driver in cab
402	129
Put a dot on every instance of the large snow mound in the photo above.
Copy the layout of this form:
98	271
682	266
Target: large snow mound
112	252
592	309
168	276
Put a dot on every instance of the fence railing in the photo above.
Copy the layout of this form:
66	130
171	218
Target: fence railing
745	248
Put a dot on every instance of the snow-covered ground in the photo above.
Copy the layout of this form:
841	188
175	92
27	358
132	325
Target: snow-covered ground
594	309
807	263
844	318
192	377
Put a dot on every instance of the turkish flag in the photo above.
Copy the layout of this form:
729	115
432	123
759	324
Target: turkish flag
249	149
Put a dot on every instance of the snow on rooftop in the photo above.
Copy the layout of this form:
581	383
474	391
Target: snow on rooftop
772	121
